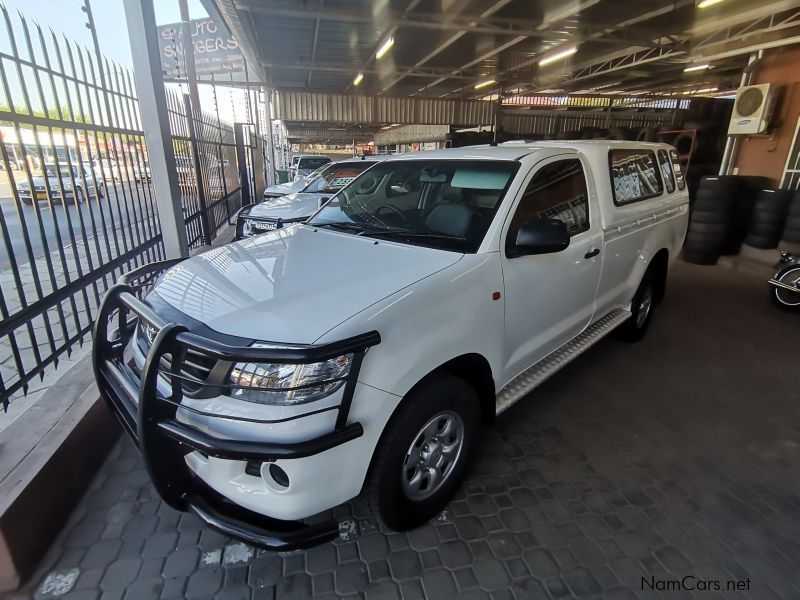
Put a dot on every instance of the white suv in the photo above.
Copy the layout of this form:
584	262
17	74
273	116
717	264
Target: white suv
272	379
305	164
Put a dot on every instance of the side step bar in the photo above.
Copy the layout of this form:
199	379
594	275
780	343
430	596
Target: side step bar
525	382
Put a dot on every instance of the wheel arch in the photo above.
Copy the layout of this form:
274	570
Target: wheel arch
659	266
473	368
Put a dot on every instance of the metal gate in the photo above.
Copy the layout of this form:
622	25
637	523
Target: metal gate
251	162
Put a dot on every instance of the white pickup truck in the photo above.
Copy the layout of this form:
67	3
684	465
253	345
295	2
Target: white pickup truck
272	379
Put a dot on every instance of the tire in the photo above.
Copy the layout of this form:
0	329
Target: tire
712	230
79	197
642	307
792	223
700	257
791	235
784	298
683	143
387	493
765	229
708	217
761	241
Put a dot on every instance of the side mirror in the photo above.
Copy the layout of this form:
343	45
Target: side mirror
540	236
321	202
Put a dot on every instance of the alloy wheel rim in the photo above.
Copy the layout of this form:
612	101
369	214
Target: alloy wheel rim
645	305
432	455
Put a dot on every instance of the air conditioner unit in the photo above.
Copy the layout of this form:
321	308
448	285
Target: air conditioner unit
752	110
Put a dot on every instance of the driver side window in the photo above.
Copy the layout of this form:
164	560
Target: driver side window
557	191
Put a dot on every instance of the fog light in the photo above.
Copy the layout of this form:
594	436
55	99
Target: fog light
279	476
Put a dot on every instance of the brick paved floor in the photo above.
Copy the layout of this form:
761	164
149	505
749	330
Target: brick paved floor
677	456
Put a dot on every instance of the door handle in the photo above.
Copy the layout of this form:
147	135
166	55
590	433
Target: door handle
591	253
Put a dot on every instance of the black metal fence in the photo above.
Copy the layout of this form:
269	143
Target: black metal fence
77	207
205	156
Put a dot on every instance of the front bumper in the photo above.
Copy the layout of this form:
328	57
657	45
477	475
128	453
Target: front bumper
150	418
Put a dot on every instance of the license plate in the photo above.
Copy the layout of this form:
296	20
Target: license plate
41	195
264	225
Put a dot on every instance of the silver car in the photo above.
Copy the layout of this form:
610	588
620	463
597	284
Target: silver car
49	181
277	212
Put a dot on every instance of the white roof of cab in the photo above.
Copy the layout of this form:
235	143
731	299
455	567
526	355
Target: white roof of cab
517	149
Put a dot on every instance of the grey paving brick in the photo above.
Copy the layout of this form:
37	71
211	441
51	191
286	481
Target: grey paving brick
491	574
504	544
673	560
386	590
265	571
439	583
541	563
204	583
587	552
405	565
101	554
120	574
323	584
293	586
352	578
234	592
145	589
181	563
379	570
160	544
373	546
173	588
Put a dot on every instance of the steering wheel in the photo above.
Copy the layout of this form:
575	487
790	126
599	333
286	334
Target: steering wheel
392	209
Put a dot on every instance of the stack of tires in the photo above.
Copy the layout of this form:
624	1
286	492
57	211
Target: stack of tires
747	191
770	214
712	219
791	231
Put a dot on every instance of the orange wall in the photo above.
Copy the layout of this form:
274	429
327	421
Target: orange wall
767	156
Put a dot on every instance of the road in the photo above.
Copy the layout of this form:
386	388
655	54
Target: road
122	211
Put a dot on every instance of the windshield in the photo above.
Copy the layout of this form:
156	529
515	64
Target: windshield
335	176
446	204
53	171
313	162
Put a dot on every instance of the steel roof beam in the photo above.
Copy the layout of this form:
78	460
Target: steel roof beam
337	68
444	45
314	47
460	23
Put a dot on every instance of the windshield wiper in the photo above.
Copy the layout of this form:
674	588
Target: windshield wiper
416	234
357	228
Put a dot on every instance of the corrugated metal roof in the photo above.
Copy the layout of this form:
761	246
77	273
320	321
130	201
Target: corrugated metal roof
443	48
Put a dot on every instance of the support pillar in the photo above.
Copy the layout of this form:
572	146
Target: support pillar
141	21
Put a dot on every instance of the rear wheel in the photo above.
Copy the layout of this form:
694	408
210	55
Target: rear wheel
786	298
424	452
642	308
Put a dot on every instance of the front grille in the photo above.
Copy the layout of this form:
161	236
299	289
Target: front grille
195	365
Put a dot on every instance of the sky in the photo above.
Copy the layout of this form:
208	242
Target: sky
66	17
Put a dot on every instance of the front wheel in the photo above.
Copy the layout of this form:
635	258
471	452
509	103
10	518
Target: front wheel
424	452
642	308
782	297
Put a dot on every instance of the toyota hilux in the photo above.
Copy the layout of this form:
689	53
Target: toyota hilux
270	380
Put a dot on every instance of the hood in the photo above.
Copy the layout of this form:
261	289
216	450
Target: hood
292	206
282	189
38	181
293	285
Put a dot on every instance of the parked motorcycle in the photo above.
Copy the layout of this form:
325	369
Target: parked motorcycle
785	284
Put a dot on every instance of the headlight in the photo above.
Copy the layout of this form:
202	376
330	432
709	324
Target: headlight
285	384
